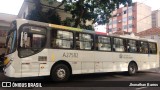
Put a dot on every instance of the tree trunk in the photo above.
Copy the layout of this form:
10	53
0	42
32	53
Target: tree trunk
39	8
56	8
78	19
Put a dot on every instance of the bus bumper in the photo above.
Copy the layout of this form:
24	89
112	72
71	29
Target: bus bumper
10	71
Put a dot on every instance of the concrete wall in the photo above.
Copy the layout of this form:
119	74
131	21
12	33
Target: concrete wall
143	17
156	18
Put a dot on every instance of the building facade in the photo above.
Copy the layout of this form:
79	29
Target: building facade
5	21
156	18
28	6
134	19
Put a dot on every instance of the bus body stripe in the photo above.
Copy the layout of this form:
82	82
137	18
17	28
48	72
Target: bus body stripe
65	27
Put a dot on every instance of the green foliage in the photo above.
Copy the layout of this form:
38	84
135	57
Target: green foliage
82	10
97	10
50	18
68	22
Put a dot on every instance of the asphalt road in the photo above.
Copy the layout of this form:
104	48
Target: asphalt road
100	81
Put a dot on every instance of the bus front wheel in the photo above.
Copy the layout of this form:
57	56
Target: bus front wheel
132	68
60	73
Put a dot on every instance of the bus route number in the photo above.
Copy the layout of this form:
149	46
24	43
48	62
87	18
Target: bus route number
70	55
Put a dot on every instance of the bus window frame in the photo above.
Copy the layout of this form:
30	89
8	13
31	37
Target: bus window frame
140	46
96	42
125	46
149	47
61	39
93	41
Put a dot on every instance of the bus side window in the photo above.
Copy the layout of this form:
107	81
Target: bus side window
132	46
119	44
143	47
104	43
62	39
84	41
77	42
54	43
152	48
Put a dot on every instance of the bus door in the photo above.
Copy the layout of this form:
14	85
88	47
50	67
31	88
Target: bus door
144	57
29	68
32	42
153	59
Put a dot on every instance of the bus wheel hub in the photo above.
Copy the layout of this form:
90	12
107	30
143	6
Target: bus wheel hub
61	73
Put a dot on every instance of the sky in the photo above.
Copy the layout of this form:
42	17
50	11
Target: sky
10	6
154	4
13	6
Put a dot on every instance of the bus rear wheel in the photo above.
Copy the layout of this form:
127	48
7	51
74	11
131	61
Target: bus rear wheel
132	68
60	73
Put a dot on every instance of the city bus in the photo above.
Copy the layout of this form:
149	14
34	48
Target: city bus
41	49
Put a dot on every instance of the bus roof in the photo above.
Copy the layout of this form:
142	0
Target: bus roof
80	30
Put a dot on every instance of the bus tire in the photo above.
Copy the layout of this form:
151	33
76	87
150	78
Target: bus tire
60	73
132	68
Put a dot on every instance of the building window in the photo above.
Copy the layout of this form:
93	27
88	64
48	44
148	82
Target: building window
124	26
109	30
130	17
118	14
130	26
129	9
115	22
125	19
124	12
114	29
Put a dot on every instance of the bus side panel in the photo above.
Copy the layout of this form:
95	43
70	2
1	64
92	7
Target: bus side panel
112	61
13	69
80	60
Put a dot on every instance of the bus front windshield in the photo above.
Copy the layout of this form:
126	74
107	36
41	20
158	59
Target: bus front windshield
11	42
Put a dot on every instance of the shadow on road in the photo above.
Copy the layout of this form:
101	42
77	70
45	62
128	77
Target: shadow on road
79	77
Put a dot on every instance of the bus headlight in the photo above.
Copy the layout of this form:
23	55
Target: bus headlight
6	61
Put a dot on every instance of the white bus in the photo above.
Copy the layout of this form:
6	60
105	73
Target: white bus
43	49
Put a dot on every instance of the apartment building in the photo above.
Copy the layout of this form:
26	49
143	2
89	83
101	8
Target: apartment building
156	18
135	18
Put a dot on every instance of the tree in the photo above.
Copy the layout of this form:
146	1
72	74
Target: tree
93	10
53	18
49	16
82	10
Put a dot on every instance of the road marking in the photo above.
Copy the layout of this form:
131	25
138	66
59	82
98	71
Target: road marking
140	88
